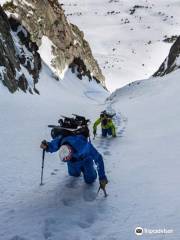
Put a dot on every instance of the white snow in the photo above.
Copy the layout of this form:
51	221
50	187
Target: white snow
2	72
177	61
4	1
142	163
27	210
21	29
27	3
148	163
45	50
131	51
1	38
21	49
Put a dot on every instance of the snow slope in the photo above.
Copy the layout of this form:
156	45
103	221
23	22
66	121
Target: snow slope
142	163
28	211
148	158
127	46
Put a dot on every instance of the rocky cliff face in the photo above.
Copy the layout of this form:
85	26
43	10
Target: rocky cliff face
46	18
19	61
172	62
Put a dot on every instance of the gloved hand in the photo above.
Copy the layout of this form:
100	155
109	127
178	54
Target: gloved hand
103	183
44	144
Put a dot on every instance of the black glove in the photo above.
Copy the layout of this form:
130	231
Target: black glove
44	144
103	183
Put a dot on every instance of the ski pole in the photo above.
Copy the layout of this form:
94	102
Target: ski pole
104	190
98	189
105	193
42	168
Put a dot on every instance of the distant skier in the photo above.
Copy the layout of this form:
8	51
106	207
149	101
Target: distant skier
107	125
80	155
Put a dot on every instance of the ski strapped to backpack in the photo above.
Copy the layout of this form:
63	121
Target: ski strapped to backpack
73	122
78	125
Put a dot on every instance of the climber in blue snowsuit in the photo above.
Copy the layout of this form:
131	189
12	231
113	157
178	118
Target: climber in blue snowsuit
81	158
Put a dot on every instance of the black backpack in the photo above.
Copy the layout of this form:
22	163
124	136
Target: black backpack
71	126
60	131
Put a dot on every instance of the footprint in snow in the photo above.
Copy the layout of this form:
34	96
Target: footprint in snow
105	147
18	238
120	132
71	182
53	173
99	146
84	225
56	170
88	220
67	202
90	217
89	193
89	197
47	226
107	153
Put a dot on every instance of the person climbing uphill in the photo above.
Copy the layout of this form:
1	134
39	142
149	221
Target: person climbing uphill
107	125
80	155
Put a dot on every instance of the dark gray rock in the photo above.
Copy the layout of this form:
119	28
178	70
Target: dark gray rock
8	59
170	63
47	18
14	56
32	62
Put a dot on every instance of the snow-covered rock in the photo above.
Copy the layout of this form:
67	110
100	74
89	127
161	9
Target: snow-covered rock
46	19
19	60
172	61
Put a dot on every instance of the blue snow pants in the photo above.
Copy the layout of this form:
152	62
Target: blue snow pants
86	167
106	131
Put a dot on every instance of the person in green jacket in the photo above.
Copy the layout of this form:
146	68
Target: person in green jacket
107	125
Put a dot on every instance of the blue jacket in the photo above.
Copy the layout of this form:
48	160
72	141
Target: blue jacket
83	151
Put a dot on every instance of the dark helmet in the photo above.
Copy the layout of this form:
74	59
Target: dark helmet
104	114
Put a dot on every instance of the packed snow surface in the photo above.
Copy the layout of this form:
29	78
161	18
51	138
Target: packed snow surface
142	163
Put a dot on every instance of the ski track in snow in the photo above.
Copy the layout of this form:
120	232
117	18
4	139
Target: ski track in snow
105	144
